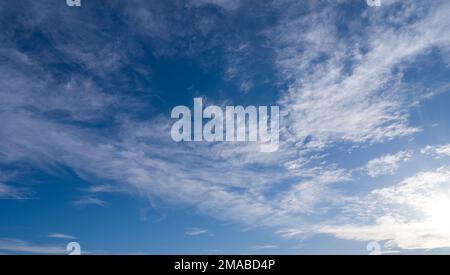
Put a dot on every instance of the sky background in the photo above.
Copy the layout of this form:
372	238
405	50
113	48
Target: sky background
85	148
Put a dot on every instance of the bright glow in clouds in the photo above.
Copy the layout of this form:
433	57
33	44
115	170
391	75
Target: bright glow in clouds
438	213
410	215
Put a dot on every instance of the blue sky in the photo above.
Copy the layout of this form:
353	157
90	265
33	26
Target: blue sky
86	154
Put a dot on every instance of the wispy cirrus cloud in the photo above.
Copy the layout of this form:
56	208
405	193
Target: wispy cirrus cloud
196	231
437	151
86	201
354	76
10	191
61	236
7	191
23	247
387	164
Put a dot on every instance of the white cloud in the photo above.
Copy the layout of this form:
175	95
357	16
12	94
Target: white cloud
411	214
290	233
314	195
195	231
405	235
387	164
61	236
86	201
437	151
7	191
354	94
20	246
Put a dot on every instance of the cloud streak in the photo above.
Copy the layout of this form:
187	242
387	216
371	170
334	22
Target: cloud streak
23	247
387	164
